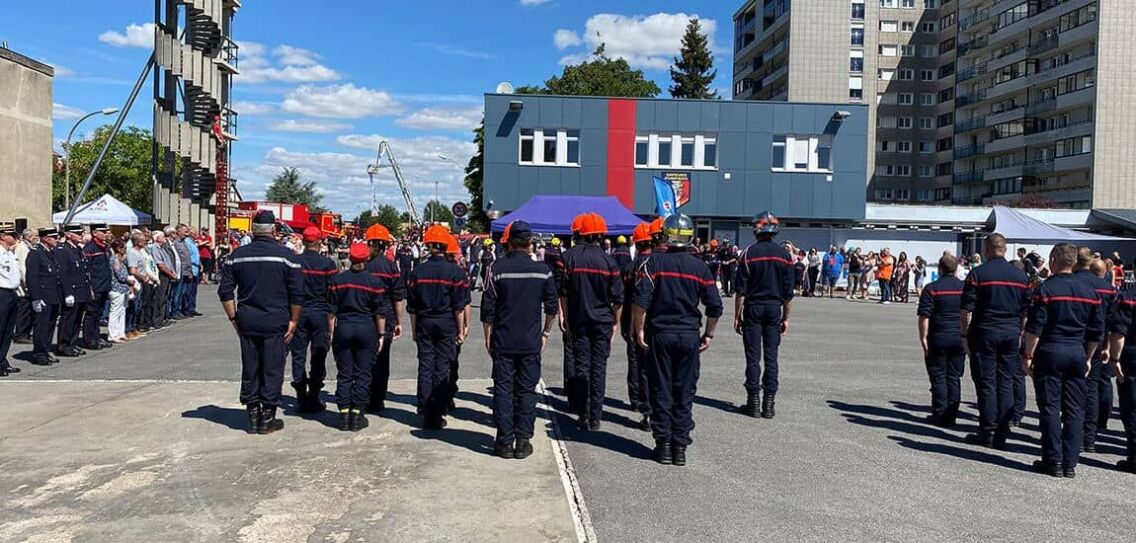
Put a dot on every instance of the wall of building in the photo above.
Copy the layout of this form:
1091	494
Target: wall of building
1114	163
25	139
742	184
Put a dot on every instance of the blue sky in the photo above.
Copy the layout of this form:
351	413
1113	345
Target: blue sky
323	82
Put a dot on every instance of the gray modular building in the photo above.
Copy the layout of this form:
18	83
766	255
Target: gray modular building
726	160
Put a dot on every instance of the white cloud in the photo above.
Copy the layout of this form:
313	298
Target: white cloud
62	71
292	65
565	38
62	112
251	49
340	102
456	51
136	36
534	2
442	119
314	127
253	108
295	56
649	42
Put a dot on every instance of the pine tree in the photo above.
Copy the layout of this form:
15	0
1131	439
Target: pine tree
693	71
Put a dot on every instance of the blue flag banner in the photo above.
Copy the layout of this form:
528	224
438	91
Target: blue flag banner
665	201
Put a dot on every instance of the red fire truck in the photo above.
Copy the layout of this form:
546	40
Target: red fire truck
297	217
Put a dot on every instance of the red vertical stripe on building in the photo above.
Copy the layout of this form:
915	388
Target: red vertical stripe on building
621	151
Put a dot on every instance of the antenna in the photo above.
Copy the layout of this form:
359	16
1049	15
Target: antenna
505	87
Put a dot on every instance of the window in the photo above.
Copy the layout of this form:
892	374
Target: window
906	3
1074	146
927	99
887	3
885	121
923	195
856	62
930	4
908	26
904	122
856	87
903	194
690	151
906	74
947	21
944	168
925	171
885	146
802	153
889	26
926	123
926	75
903	170
858	35
883	194
907	50
889	50
858	11
945	144
540	147
943	193
947	94
927	26
903	147
925	147
885	169
928	51
906	99
947	119
886	74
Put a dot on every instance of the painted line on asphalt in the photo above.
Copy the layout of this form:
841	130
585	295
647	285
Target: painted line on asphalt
136	381
585	531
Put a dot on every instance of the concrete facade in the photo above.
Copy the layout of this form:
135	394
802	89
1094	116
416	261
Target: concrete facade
25	139
619	140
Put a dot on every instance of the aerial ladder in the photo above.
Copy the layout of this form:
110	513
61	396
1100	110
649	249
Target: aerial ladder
392	163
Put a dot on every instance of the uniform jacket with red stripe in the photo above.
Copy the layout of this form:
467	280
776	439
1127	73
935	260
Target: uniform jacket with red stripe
436	289
356	296
940	302
1121	319
671	286
997	295
74	272
1106	293
385	270
593	285
765	274
98	261
318	271
1065	310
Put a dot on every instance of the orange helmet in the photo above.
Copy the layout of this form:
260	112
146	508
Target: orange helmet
452	247
713	244
593	225
437	234
378	232
656	227
642	233
578	222
505	234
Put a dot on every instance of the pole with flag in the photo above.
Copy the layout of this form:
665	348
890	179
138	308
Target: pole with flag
666	203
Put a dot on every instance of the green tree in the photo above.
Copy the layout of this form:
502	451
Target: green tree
693	71
124	173
287	188
602	76
387	216
475	183
437	212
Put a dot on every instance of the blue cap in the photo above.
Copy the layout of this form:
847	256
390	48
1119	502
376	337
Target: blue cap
264	216
519	230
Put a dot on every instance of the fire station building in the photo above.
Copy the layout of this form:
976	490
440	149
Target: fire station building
727	160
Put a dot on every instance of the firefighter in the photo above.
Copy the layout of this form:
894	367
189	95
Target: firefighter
266	279
75	275
45	290
453	256
1122	354
1095	386
637	384
486	259
436	301
566	337
384	269
552	253
592	297
621	253
356	301
943	350
97	255
667	322
765	281
1061	336
517	290
313	329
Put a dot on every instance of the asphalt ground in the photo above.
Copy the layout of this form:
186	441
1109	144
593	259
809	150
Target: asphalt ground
847	458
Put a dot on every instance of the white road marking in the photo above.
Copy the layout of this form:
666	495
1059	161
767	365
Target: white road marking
585	531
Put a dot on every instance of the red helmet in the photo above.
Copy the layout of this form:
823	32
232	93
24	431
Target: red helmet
656	227
453	247
312	234
359	253
593	225
378	232
642	233
437	234
578	222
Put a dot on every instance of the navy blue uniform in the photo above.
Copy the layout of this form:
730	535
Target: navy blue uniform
1098	385
516	292
387	272
98	261
765	278
592	288
946	355
728	258
1122	322
670	287
312	329
405	256
621	254
75	276
436	290
996	295
566	338
1065	315
265	280
44	285
356	299
638	387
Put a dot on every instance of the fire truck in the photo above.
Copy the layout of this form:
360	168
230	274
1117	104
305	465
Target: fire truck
294	216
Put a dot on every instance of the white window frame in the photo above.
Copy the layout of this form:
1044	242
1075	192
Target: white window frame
923	75
903	147
926	171
889	50
927	99
926	123
902	121
538	137
903	194
906	99
903	170
928	26
928	145
907	4
889	26
906	74
929	51
808	144
699	141
907	26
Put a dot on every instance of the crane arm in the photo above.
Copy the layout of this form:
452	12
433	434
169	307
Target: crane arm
385	151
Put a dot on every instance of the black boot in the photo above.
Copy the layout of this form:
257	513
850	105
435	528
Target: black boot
301	389
268	421
750	407
767	400
983	439
1128	464
345	419
663	452
315	405
523	449
253	418
645	424
583	423
358	420
679	454
504	451
1049	468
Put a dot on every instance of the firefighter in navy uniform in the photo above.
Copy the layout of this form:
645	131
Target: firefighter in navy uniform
638	387
994	301
97	255
941	339
355	302
592	297
728	257
667	322
552	253
312	331
453	256
45	290
262	293
1061	336
1093	383
621	253
436	300
384	269
765	280
517	291
566	337
1122	356
75	276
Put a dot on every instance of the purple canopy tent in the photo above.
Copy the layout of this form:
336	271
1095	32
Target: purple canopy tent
548	214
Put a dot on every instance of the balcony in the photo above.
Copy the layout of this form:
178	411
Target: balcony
1011	114
1047	44
228	58
970	71
777	49
968	177
977	18
966	125
964	100
972	46
1035	167
969	151
1079	128
229	125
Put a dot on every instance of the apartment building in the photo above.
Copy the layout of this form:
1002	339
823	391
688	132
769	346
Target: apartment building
1044	108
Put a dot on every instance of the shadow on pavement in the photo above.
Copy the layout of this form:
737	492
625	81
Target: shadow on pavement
235	419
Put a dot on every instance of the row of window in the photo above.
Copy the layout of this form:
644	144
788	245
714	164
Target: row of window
891	121
910	4
905	98
907	26
811	153
676	151
904	74
922	195
889	146
903	170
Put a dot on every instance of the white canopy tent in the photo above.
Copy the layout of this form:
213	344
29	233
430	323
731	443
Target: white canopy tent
106	209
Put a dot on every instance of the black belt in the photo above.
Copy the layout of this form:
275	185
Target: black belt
8	289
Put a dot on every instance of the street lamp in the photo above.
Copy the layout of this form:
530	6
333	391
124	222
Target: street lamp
67	150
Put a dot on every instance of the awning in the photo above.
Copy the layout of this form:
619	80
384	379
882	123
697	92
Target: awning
107	209
553	214
1124	218
1018	226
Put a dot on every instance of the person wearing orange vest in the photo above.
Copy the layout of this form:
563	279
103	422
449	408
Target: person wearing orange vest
883	273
